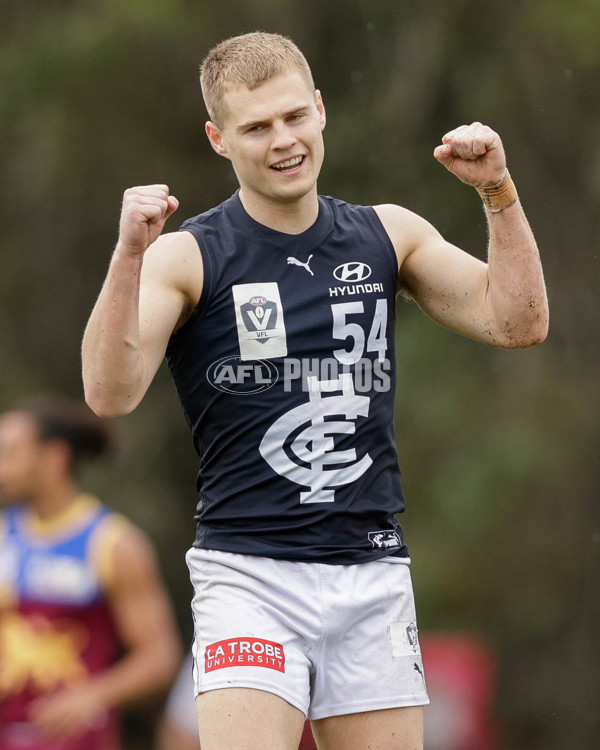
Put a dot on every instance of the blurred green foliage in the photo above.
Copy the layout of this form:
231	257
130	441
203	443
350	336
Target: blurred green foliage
498	448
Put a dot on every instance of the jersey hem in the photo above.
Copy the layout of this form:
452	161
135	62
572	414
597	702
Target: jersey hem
318	560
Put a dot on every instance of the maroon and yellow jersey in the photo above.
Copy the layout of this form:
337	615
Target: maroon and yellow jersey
56	628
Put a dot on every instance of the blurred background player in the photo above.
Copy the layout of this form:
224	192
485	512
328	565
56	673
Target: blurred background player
86	625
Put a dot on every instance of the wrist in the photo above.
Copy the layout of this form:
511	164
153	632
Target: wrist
128	252
499	196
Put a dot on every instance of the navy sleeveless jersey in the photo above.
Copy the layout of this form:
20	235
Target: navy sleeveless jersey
285	373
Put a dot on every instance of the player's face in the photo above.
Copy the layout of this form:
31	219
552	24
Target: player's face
273	135
21	456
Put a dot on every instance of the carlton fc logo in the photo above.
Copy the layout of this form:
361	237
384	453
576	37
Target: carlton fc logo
352	272
301	445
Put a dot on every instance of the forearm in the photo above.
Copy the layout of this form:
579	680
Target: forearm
112	359
516	290
140	674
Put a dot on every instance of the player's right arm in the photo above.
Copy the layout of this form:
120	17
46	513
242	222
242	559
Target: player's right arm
153	282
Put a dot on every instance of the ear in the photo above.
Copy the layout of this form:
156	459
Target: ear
320	108
216	139
59	455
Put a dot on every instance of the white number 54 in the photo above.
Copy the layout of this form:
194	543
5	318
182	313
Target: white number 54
344	330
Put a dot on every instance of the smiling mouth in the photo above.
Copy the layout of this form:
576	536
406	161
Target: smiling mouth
288	164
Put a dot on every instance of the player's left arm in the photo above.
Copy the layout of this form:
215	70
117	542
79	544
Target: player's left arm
502	302
146	626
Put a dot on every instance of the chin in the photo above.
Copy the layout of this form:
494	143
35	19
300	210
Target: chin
294	192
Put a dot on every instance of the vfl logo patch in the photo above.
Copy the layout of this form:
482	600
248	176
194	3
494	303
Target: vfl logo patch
244	652
259	315
259	319
411	635
386	539
405	639
352	272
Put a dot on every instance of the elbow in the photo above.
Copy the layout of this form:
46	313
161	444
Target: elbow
104	406
534	335
538	330
541	335
526	327
172	662
163	667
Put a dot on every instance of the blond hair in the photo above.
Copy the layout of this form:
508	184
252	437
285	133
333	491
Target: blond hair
249	59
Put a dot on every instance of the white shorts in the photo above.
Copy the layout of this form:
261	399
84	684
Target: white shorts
329	639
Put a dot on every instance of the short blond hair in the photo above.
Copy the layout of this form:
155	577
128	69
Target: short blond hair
248	59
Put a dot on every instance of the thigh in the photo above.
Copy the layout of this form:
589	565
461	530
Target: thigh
247	719
390	729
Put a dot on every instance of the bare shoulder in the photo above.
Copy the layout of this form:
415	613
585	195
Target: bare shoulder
420	248
175	259
121	552
134	552
173	265
406	229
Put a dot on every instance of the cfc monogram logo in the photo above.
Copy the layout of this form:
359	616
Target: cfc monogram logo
305	457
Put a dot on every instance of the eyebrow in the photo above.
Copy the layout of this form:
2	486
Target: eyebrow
253	123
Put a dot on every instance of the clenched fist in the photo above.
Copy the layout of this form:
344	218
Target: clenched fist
474	153
143	215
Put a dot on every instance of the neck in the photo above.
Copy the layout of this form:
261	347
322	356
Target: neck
291	217
53	501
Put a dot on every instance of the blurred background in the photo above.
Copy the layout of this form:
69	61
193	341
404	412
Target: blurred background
499	449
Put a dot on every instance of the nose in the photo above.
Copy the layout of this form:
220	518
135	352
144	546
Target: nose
283	137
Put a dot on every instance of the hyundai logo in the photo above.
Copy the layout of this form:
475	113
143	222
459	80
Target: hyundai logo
352	272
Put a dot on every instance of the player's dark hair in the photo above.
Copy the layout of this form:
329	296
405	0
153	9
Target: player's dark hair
73	422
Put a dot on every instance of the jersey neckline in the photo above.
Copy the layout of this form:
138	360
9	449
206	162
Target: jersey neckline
310	238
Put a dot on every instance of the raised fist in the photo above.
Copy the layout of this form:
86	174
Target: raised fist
474	153
143	215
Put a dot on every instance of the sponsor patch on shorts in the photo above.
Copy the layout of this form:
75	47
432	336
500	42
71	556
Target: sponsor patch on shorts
405	639
244	652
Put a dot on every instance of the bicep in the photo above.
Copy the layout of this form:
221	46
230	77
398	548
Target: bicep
171	285
449	285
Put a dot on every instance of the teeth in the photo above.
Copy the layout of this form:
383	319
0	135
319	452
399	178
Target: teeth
289	163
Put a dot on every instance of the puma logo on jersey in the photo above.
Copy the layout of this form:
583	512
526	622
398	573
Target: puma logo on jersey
296	262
